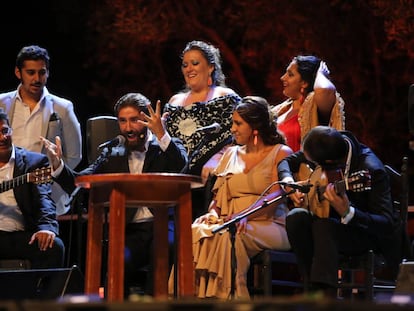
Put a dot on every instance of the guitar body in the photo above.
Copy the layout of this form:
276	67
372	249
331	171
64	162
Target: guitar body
314	201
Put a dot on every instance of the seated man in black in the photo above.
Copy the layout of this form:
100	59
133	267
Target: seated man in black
28	226
148	148
332	221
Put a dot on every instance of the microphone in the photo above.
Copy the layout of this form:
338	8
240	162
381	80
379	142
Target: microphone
102	158
117	141
304	188
210	129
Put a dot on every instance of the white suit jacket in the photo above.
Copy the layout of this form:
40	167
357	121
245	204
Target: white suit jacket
59	119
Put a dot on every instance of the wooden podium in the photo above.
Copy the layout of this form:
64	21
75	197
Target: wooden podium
156	190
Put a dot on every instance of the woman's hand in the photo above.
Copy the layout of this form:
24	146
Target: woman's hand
208	218
242	225
323	68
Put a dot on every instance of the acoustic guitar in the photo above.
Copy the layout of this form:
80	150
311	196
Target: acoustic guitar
314	201
38	176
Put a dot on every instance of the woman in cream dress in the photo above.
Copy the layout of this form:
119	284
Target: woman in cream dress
244	175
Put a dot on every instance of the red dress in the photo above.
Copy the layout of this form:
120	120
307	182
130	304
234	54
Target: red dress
291	129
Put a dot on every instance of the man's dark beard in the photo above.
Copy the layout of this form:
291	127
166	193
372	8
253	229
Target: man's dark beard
142	137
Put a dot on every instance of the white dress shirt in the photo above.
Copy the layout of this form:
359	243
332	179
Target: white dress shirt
11	217
136	163
27	125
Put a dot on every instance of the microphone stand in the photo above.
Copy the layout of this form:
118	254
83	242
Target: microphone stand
196	151
103	157
185	170
231	226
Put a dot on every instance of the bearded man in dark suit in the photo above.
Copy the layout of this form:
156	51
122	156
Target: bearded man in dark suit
148	148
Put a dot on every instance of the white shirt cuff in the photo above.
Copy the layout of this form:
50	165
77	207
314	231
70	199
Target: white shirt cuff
56	173
348	217
164	141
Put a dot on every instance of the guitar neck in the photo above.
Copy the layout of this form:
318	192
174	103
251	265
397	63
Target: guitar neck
339	186
15	182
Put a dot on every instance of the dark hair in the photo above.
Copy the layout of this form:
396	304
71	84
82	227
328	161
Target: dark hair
4	116
324	143
308	66
256	112
135	100
212	55
32	52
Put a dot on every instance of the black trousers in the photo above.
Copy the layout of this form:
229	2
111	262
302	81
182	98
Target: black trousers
15	245
317	243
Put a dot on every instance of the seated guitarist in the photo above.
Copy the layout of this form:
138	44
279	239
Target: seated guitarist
28	225
356	220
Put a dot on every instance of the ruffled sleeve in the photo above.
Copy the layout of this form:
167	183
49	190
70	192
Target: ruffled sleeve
228	166
308	115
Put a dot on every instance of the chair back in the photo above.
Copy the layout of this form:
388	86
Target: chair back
99	130
400	193
380	275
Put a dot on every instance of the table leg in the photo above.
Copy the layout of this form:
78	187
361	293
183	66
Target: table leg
116	245
161	266
94	249
185	273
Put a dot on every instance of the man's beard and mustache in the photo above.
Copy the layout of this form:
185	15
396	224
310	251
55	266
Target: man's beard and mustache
138	144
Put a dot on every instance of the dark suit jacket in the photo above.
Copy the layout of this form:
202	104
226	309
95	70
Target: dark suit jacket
172	160
38	209
374	210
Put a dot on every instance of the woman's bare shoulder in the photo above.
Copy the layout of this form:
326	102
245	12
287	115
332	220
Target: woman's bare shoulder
222	91
177	99
285	150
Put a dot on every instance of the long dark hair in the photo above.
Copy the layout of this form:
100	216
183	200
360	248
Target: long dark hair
255	111
308	66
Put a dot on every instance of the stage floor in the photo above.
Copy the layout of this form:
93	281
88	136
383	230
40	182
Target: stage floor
297	303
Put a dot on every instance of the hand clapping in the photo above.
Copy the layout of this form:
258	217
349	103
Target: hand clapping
53	151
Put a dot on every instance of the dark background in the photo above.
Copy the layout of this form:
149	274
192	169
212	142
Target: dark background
102	49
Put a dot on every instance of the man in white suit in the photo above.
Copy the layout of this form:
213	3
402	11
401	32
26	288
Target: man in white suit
34	112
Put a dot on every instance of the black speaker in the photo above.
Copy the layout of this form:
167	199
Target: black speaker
411	109
99	130
40	283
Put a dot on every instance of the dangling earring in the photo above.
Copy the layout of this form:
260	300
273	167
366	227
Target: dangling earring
210	81
255	138
302	96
